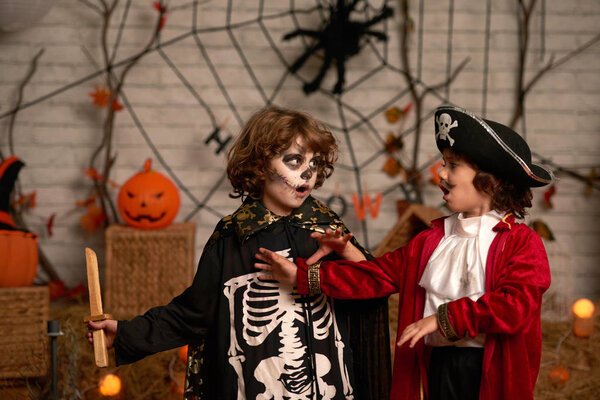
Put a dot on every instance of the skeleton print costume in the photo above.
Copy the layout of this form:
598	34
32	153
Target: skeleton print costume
253	339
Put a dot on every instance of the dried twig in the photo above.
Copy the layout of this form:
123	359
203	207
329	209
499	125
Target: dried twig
11	122
17	211
406	28
522	89
114	84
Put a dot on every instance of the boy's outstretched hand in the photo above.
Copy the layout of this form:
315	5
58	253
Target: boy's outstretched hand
331	241
415	331
276	267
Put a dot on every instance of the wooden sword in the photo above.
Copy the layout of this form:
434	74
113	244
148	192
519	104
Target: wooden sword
100	352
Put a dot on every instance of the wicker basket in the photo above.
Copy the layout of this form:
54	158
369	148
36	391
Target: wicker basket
23	342
146	268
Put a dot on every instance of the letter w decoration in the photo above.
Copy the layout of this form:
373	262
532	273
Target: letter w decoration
361	208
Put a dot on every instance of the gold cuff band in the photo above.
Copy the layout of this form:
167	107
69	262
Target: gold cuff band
445	325
314	278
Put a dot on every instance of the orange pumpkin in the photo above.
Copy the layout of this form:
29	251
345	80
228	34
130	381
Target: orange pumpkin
18	249
148	200
559	375
18	258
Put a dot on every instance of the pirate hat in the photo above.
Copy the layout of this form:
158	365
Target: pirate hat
492	146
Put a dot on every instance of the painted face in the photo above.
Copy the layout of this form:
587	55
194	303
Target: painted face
456	181
293	177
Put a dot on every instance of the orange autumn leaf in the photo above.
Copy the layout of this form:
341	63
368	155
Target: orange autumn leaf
93	174
392	114
116	106
19	202
113	184
392	167
100	96
162	10
542	229
548	194
159	7
93	219
393	142
435	176
31	199
27	200
86	202
50	224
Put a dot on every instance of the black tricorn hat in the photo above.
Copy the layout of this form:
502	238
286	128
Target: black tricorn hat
492	146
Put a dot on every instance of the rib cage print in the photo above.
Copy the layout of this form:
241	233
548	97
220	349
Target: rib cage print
273	312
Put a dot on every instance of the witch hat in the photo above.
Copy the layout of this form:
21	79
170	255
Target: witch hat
9	169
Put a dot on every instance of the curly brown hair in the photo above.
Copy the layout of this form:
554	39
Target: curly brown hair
267	133
505	196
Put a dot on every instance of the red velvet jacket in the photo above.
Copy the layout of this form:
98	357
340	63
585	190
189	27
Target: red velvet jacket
517	274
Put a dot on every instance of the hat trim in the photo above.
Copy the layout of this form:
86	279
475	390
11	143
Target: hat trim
510	151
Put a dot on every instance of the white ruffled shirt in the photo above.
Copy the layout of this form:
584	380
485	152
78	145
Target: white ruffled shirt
456	268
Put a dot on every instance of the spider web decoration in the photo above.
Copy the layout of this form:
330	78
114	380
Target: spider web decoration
204	99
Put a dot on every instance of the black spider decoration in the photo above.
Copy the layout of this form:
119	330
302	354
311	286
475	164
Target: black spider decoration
340	39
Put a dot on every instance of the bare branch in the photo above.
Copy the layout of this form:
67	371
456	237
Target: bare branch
114	84
447	82
417	97
555	64
585	179
92	6
11	123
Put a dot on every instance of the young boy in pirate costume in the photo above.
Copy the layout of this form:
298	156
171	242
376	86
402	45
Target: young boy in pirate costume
261	339
470	286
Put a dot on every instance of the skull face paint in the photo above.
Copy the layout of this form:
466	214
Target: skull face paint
293	177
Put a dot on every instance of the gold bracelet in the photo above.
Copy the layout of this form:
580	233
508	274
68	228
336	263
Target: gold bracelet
445	325
314	278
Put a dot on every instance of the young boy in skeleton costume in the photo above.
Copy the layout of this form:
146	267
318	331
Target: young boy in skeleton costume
471	286
259	339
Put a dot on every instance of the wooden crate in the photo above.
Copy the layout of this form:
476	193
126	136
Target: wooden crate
18	389
146	268
24	350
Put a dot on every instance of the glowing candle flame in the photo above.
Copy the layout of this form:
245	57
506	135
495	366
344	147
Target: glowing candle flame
110	385
583	308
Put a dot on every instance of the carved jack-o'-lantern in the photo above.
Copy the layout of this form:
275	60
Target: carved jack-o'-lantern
148	200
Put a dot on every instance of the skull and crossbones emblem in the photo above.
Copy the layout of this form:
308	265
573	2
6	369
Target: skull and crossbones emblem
445	123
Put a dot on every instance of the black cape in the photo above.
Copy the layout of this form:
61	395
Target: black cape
254	339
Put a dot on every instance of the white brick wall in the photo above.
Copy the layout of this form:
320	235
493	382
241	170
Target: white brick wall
56	137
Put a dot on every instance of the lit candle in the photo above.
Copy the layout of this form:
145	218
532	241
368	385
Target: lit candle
110	385
583	325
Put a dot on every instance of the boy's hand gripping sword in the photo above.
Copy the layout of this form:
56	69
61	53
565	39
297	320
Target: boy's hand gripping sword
100	352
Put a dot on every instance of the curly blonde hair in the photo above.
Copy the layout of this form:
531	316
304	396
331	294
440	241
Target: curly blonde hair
267	133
